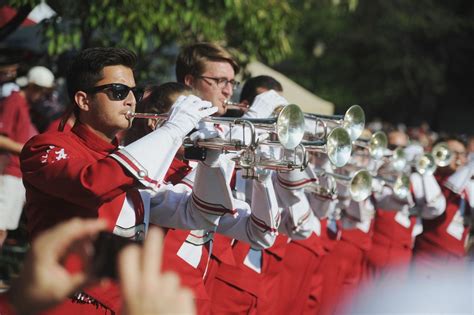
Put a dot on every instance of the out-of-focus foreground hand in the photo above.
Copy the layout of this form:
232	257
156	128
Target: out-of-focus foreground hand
44	281
145	290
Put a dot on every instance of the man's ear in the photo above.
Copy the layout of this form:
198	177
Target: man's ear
82	101
189	80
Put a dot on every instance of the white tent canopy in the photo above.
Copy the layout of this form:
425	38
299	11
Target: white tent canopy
292	91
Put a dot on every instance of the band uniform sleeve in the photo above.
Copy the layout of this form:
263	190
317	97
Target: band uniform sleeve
149	158
198	203
58	168
428	196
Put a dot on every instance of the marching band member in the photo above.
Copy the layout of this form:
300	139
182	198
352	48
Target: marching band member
88	176
392	240
343	269
445	232
209	70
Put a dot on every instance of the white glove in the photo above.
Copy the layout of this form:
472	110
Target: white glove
460	179
187	112
205	131
264	105
413	150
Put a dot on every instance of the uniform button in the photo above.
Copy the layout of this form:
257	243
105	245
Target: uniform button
142	173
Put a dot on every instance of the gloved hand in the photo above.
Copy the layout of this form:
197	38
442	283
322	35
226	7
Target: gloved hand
205	131
187	112
458	181
264	105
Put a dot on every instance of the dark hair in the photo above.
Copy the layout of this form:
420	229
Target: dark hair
86	68
249	90
191	60
451	137
159	100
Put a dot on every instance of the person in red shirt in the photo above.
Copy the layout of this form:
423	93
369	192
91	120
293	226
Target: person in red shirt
15	129
44	282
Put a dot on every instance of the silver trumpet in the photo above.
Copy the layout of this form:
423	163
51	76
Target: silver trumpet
440	156
251	162
400	184
228	104
288	126
353	121
376	145
337	145
360	183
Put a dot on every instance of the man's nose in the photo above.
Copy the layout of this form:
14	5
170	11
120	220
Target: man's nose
228	90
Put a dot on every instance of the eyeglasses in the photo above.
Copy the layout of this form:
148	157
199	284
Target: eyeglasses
117	91
221	82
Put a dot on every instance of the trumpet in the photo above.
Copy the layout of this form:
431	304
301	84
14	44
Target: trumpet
360	184
228	104
440	156
250	161
376	144
337	146
353	121
397	158
400	184
288	126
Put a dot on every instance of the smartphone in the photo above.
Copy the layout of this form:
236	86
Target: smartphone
106	249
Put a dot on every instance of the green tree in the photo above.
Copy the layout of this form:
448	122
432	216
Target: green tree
251	29
403	61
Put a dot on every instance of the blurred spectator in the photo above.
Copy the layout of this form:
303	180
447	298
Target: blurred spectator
44	281
47	107
15	129
9	64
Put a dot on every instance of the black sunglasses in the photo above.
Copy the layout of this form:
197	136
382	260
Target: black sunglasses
117	91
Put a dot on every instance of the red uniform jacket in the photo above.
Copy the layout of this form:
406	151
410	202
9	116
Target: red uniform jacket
15	123
70	174
435	238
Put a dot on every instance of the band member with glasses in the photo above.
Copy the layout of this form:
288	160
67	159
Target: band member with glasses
445	233
83	172
210	71
193	64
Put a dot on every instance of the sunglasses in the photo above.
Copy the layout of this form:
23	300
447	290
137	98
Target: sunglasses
117	91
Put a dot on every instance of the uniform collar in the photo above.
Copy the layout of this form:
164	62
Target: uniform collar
92	140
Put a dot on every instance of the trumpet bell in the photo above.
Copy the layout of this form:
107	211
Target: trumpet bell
399	159
361	185
441	154
426	164
377	145
401	187
354	121
290	126
339	146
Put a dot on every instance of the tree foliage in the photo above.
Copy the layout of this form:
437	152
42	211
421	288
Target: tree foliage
252	29
403	61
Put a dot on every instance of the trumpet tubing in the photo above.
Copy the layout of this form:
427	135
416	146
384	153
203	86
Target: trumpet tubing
288	125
